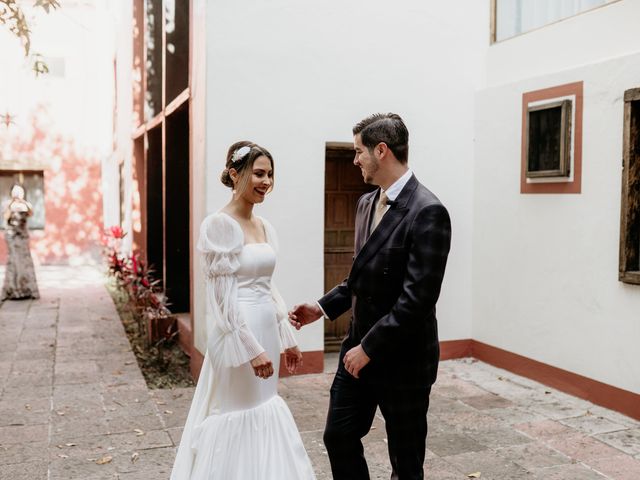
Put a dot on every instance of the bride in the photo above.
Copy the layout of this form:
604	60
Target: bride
238	427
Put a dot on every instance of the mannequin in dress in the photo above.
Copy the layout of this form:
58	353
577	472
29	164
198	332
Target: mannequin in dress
20	278
238	426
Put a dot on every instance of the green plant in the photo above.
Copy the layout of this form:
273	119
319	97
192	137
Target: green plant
13	17
148	304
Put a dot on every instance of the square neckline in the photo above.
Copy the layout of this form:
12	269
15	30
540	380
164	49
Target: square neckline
264	230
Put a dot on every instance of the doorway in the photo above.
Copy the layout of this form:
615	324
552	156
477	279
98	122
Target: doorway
343	188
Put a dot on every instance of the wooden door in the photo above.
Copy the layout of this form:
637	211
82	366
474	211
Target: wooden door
343	187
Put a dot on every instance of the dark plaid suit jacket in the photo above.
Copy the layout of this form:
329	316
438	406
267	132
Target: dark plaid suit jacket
393	287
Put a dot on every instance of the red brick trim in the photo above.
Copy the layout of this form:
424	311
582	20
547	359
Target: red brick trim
596	392
456	349
574	186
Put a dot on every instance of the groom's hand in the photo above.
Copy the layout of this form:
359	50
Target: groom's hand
355	360
304	314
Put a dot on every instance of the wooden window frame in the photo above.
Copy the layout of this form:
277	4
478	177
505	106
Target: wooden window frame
565	140
630	207
572	185
144	126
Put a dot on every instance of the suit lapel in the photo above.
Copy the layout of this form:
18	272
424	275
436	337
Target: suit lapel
387	225
364	222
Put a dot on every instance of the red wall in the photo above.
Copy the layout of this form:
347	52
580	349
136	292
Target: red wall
72	192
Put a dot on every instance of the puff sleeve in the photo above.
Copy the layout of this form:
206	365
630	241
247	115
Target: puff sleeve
285	330
229	338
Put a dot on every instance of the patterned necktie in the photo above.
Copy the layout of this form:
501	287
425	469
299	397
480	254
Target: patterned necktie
381	209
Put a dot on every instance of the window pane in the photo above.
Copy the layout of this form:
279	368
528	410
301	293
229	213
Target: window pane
518	16
544	139
177	30
153	43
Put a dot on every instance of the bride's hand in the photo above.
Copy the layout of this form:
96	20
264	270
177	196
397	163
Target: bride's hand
262	366
292	359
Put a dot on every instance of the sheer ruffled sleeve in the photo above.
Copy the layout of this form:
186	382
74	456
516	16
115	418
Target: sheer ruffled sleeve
287	336
229	338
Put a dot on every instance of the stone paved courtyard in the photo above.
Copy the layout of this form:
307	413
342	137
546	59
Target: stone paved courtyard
74	405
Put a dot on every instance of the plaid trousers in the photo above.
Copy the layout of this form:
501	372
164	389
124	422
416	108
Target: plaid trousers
352	407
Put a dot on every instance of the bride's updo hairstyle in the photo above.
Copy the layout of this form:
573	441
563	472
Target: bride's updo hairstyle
241	157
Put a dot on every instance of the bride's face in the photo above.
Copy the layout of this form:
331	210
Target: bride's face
260	182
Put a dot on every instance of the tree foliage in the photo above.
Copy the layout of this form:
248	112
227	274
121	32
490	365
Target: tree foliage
12	17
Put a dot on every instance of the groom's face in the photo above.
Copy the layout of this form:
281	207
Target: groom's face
365	159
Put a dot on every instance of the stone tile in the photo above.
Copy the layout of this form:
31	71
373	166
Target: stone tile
32	366
176	434
23	434
448	444
132	441
173	418
7	356
534	455
79	426
490	464
627	441
16	379
514	415
620	467
543	429
77	468
444	405
615	417
25	394
70	373
145	475
581	448
486	401
591	424
500	437
456	389
24	471
156	459
127	423
79	445
23	453
567	472
471	420
13	413
35	354
560	410
440	469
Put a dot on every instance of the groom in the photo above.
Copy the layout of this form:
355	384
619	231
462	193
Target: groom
389	357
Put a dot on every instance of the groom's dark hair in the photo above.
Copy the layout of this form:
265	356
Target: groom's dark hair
385	128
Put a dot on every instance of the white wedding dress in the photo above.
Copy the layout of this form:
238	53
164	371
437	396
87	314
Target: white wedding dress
238	428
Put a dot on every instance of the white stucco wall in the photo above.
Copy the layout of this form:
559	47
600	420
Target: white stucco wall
590	37
545	266
292	76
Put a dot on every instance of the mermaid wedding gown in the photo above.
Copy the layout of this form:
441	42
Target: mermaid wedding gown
238	427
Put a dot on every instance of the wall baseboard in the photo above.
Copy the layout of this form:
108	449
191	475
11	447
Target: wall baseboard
608	396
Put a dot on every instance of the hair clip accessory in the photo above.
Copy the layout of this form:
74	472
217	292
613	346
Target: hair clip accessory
240	153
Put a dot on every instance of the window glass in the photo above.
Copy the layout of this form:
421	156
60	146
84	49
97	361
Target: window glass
518	16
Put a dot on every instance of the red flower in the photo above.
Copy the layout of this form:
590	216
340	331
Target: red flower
117	232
